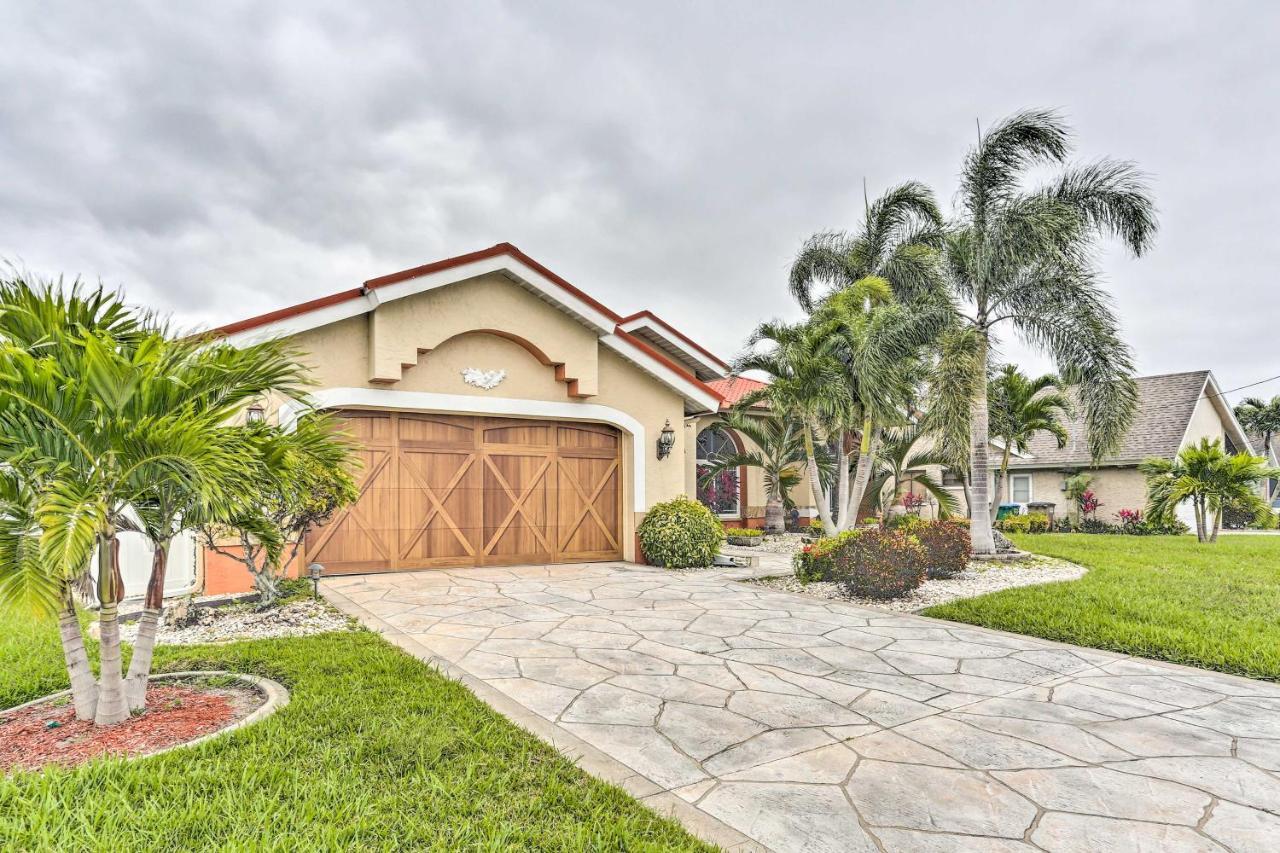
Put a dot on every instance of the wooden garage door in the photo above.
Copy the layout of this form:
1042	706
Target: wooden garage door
446	490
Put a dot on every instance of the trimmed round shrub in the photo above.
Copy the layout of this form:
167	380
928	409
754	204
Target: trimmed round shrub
946	545
814	562
680	534
876	563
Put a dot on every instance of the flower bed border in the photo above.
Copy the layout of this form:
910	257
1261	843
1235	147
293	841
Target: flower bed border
277	696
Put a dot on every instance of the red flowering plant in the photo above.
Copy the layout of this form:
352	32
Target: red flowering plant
1130	519
1089	503
913	503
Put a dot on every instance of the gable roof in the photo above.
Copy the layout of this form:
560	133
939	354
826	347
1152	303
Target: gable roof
1165	405
662	335
523	270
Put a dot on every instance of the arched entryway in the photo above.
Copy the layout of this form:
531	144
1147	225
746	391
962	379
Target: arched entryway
723	493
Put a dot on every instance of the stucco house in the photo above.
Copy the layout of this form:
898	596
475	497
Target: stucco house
1174	410
504	416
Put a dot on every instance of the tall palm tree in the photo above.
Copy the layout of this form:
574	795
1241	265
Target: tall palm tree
891	257
1212	480
780	454
1024	257
901	461
1019	408
807	385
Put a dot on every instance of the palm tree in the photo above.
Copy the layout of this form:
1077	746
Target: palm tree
901	462
1212	480
807	385
1019	408
1260	416
779	454
892	258
96	418
1024	257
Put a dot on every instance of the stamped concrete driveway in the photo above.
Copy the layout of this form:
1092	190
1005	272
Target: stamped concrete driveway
764	719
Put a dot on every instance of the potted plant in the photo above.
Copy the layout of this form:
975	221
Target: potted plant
744	536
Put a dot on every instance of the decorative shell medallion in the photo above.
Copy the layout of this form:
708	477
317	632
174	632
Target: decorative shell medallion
486	379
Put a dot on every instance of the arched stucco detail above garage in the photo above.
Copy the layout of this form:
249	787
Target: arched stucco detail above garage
401	331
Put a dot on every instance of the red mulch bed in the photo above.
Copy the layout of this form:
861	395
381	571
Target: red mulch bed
176	713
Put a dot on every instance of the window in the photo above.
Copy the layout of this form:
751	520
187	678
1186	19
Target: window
1020	488
721	492
951	479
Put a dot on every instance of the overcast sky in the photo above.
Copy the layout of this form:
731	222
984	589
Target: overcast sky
218	160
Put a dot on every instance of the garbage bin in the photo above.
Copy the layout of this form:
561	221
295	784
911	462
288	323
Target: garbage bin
1007	510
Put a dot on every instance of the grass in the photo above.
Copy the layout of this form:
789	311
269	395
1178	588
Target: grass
375	751
1166	597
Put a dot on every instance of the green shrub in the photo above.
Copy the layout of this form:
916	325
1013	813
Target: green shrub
875	563
946	547
813	562
743	532
1037	522
906	523
1014	524
680	534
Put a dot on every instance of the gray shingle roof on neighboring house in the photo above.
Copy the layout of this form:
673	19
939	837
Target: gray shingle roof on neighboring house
1255	438
1165	405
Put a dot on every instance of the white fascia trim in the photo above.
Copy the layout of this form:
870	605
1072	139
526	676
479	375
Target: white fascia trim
662	372
535	280
531	278
303	322
424	401
666	333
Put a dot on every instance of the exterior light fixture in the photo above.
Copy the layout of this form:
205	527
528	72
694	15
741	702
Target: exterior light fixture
315	569
666	440
255	414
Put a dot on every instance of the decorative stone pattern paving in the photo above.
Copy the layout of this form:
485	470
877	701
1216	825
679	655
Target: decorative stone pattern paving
775	721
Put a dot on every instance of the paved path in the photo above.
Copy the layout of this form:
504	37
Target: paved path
765	719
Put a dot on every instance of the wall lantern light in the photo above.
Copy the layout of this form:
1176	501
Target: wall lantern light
666	440
255	414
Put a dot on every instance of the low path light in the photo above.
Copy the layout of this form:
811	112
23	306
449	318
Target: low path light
315	570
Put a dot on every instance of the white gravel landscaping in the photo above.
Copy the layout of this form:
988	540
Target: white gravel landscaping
245	622
979	579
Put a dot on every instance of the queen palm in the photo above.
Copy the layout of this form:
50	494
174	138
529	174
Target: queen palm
1212	480
779	453
1019	408
807	385
1260	416
1023	257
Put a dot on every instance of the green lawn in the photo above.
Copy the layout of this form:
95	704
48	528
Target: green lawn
1168	597
375	751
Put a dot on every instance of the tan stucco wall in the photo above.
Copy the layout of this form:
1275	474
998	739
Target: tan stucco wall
1205	423
435	334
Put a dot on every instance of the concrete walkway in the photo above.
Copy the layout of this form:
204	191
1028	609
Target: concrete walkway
782	722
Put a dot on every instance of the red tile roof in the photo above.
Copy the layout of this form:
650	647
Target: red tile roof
734	388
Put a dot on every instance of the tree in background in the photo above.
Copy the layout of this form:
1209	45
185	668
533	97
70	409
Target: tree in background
1019	408
780	454
1025	257
900	462
1212	480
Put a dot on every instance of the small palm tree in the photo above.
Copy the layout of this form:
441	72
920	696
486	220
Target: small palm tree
1024	257
780	454
1212	480
1260	416
1020	408
807	385
900	462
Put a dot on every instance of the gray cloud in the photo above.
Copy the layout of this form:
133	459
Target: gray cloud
225	159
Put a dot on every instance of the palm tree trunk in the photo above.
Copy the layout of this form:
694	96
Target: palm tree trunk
842	487
815	483
866	461
774	515
1217	524
84	687
112	707
1198	504
998	491
979	466
145	644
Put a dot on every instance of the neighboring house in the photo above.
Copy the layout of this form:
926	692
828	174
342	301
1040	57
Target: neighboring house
1272	454
505	416
1174	410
